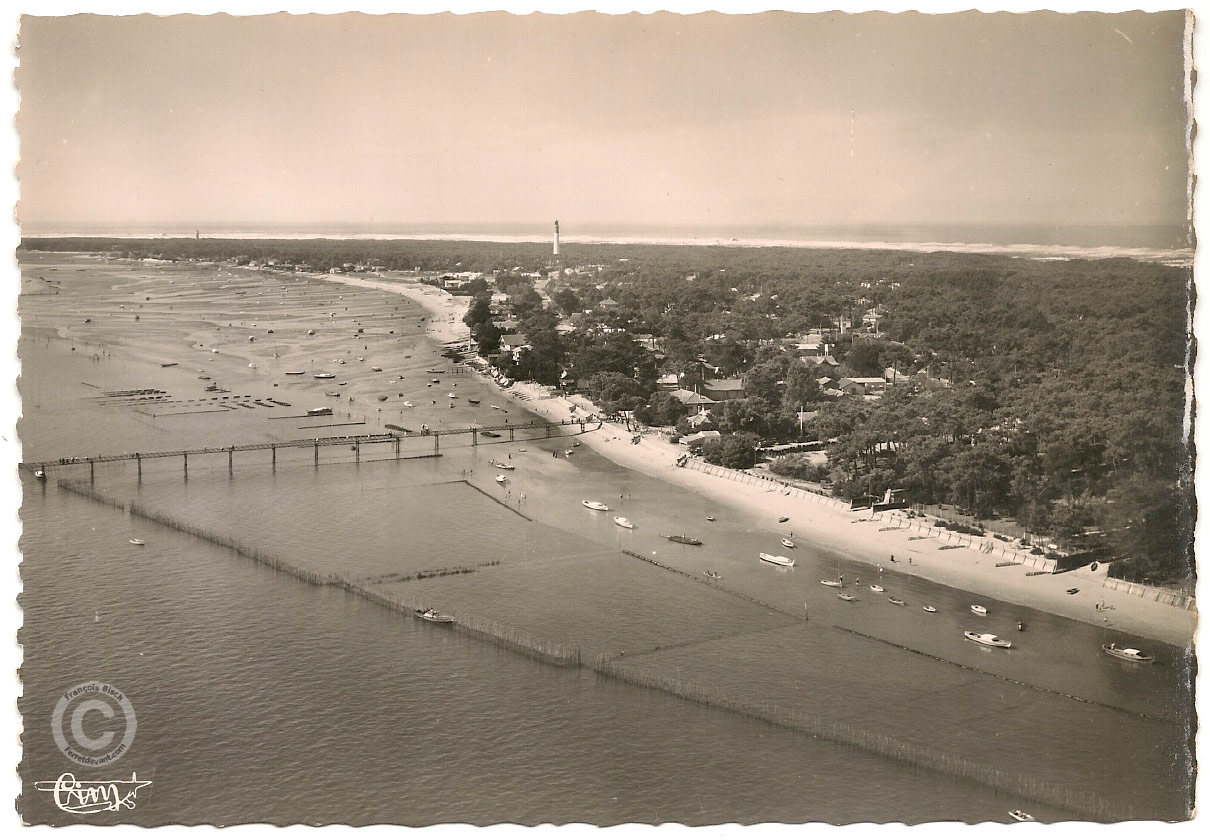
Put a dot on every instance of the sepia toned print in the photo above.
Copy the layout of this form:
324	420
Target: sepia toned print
605	419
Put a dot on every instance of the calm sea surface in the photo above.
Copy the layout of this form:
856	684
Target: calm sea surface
263	698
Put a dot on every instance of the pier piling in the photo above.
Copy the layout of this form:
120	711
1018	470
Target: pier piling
317	453
474	437
357	451
273	451
186	457
139	463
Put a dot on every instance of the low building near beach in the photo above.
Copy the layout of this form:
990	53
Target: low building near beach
691	398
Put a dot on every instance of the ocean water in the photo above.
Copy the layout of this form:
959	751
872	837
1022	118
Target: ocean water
263	698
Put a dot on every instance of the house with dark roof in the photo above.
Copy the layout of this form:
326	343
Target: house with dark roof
723	389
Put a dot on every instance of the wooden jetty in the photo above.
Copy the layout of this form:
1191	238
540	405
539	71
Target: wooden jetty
354	441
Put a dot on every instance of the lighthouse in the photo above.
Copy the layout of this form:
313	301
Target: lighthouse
556	237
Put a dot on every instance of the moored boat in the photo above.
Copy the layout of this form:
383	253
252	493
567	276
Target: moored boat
324	375
322	411
713	575
137	541
988	639
978	610
844	597
834	583
899	602
787	543
434	616
930	609
1127	654
684	539
500	477
783	519
591	505
1021	816
623	522
295	372
776	559
876	588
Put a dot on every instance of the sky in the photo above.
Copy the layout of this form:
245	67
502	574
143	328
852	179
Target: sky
708	120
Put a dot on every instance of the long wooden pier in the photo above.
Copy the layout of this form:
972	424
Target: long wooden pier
354	441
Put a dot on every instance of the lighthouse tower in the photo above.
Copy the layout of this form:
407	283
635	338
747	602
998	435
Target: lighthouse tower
556	237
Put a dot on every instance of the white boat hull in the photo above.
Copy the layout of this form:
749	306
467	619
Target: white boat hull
777	559
987	639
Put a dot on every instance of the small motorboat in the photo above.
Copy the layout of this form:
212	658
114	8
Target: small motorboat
682	539
137	541
1127	654
409	404
623	522
709	518
40	475
788	543
988	639
591	505
833	583
376	369
496	407
1021	816
1072	591
295	372
490	434
568	452
435	381
1021	626
382	398
501	478
502	466
452	395
777	559
473	402
876	588
713	575
978	610
324	375
844	597
899	602
434	616
783	519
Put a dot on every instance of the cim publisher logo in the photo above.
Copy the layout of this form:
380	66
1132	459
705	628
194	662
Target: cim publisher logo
93	724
